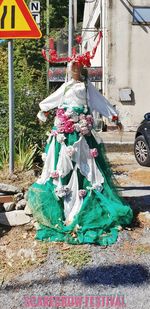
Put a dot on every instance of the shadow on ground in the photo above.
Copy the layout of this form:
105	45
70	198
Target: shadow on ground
138	197
4	230
113	276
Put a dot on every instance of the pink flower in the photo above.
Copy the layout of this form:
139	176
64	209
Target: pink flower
84	130
54	132
90	126
89	119
94	152
61	128
82	193
54	174
82	116
60	112
69	126
61	115
63	118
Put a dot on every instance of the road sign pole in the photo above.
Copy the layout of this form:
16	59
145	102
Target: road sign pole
11	106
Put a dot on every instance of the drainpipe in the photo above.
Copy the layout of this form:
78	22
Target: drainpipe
104	48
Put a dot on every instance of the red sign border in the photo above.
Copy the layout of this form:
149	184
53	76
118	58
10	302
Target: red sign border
28	34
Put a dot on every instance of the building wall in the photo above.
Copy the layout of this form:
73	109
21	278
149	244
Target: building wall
124	55
128	61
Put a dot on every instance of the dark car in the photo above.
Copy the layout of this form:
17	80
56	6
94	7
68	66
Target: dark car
142	142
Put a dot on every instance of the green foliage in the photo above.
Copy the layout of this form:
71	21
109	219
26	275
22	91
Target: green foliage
30	77
25	154
3	94
76	256
4	154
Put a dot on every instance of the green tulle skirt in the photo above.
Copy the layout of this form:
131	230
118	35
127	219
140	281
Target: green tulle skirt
101	214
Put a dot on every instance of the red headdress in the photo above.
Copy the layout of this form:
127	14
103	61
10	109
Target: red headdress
83	59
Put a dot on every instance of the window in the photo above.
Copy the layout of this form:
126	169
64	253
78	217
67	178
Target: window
97	24
141	15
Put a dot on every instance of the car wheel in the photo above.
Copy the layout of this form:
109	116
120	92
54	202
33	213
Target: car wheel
141	151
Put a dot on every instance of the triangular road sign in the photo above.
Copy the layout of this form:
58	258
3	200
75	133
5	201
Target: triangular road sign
16	21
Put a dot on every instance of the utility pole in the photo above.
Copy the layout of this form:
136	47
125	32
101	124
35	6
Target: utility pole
11	106
70	35
47	43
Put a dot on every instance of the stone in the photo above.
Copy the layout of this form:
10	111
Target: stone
14	218
147	215
18	197
9	206
8	188
26	195
21	204
27	210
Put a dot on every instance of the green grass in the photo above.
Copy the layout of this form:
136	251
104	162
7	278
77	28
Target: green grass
75	256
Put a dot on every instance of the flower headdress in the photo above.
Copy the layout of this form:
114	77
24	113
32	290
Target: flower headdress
83	59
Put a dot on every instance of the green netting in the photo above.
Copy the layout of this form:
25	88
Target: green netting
101	212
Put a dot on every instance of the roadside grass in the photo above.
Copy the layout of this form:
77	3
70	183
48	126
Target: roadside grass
76	256
20	252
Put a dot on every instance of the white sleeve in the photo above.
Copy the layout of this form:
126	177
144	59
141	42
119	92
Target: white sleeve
41	116
53	100
99	103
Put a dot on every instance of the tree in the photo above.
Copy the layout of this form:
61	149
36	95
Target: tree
30	73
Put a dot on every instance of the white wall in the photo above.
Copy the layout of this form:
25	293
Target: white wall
128	61
126	58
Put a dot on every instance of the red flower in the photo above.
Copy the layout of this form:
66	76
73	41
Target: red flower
114	118
79	39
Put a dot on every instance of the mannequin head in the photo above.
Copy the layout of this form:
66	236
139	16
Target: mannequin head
78	72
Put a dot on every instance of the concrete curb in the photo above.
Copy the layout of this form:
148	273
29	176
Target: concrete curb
119	147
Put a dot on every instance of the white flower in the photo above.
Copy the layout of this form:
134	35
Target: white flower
43	156
77	127
75	118
83	123
72	114
57	121
97	187
77	227
85	109
70	150
62	191
69	112
60	138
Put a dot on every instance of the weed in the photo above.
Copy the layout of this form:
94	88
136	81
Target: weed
75	256
142	249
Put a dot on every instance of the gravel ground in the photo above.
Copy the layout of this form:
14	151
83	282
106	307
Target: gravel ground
112	271
121	269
